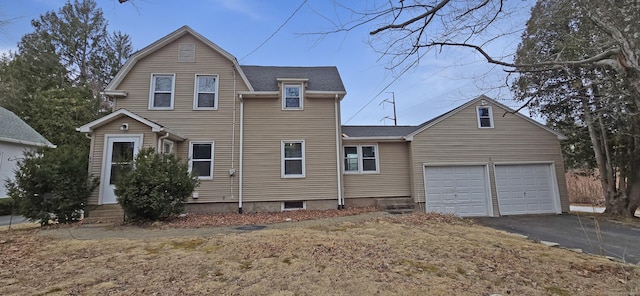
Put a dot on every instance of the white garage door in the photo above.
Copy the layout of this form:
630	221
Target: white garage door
526	189
459	190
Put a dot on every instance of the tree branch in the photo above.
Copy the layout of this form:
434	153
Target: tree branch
432	11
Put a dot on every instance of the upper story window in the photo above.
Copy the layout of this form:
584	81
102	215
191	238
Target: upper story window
292	96
206	92
201	159
361	159
292	159
485	117
162	89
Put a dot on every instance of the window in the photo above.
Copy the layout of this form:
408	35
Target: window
292	159
293	205
201	159
162	86
485	117
292	96
205	94
361	159
167	146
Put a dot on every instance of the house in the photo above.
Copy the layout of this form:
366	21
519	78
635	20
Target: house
16	136
268	138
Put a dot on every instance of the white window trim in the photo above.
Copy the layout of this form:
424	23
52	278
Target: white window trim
284	96
195	93
282	208
282	161
152	88
167	142
360	160
490	116
212	157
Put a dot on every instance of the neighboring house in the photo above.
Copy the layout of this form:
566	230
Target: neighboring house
16	136
265	138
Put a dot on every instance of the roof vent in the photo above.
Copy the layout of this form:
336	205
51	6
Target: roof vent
187	53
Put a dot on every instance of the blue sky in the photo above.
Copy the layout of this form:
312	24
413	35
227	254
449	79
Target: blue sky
442	80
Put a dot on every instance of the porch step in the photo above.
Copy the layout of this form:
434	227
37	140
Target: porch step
104	214
397	205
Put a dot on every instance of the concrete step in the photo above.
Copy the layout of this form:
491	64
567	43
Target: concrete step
104	214
398	205
395	202
400	211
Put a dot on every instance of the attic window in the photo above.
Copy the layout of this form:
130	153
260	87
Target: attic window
186	53
485	117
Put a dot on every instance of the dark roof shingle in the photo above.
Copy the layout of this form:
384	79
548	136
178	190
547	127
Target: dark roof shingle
358	131
265	78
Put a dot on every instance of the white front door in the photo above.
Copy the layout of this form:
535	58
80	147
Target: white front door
120	151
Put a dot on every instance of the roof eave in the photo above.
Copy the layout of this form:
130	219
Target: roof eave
28	143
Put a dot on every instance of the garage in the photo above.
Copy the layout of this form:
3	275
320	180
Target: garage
460	190
526	189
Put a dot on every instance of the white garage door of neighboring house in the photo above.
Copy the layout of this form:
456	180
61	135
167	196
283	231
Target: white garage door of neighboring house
459	190
526	189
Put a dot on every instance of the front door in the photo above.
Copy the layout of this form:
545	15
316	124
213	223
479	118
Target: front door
118	160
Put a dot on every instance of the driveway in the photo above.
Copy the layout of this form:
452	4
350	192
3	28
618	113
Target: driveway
575	232
6	220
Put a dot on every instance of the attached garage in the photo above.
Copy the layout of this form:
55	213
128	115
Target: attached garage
461	190
526	189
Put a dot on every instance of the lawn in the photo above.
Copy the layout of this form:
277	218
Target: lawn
381	255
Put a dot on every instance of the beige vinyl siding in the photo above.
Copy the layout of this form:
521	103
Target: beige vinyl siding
458	140
266	125
97	153
393	179
195	125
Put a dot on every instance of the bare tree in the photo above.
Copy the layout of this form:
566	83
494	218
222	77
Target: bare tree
403	30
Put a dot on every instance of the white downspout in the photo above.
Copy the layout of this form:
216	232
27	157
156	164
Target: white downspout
232	171
338	155
240	156
166	135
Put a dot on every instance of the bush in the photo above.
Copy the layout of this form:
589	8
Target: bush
52	184
6	206
156	188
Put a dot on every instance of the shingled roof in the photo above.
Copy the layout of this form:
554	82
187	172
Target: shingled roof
15	130
265	78
377	131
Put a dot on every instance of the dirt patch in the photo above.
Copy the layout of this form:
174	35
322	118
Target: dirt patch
379	254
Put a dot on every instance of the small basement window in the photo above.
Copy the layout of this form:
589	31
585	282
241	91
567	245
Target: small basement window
293	205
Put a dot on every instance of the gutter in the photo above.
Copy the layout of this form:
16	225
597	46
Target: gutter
29	143
166	135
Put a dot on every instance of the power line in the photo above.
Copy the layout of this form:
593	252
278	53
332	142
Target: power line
387	86
277	30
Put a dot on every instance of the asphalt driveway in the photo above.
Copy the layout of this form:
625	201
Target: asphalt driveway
6	220
605	238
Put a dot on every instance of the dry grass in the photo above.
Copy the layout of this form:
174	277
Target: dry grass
410	255
584	188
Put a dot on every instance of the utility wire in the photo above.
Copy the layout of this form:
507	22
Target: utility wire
276	31
387	86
